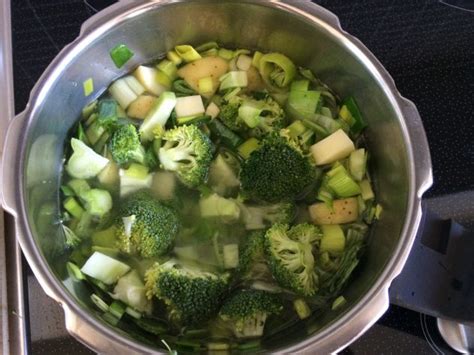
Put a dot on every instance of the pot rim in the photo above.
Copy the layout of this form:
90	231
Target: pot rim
333	336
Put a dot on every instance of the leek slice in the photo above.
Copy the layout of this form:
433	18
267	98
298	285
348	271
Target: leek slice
122	93
120	55
158	115
333	240
104	268
277	70
233	79
187	52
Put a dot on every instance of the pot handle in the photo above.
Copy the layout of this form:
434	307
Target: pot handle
9	163
438	277
421	150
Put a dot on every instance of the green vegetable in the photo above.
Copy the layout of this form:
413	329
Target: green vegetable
252	262
301	308
120	55
262	216
188	152
341	182
231	256
104	268
88	86
78	186
123	93
158	115
131	290
338	303
74	271
73	207
246	312
72	240
357	164
366	190
223	174
224	134
99	303
215	206
135	178
353	108
333	240
275	172
84	163
188	53
97	202
233	79
191	295
169	68
304	102
125	145
145	226
248	147
277	70
291	261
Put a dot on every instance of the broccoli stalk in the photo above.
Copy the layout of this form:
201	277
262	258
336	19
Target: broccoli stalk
252	263
125	145
246	312
290	258
188	152
191	295
145	226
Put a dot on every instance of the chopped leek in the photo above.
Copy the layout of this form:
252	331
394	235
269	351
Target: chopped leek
104	268
207	46
134	84
73	207
233	79
88	86
248	147
120	55
296	129
174	57
169	68
226	54
79	186
256	59
341	182
277	70
359	122
366	190
84	163
89	109
338	303
135	178
158	115
215	206
189	106
300	85
121	92
97	202
244	62
249	112
99	303
74	271
357	164
304	102
231	256
225	135
212	110
301	308
205	85
333	240
149	78
187	52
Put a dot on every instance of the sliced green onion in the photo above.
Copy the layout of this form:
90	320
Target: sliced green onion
277	70
357	164
174	57
207	46
353	108
189	106
74	271
338	303
206	85
226	54
333	240
248	147
88	87
187	52
366	190
104	268
233	79
301	308
120	55
99	303
169	68
73	207
342	183
249	112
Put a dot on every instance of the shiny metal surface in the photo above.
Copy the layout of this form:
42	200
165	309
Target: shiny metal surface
459	336
312	37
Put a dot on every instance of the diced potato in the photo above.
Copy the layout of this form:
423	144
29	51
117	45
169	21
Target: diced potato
343	211
255	82
109	176
141	106
213	67
334	147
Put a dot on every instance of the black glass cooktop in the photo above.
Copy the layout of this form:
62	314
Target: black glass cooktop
425	45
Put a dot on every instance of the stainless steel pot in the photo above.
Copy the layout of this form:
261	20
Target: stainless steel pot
310	35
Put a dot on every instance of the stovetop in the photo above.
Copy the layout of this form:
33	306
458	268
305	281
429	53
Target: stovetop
424	44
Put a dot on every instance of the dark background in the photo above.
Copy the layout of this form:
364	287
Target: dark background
425	45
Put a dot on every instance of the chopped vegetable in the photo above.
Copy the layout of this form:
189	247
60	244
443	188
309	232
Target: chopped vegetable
337	146
342	211
88	86
120	55
84	163
104	268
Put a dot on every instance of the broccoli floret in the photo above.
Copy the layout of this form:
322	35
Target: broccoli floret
229	114
275	172
252	262
291	261
246	312
192	296
125	145
305	233
262	216
145	226
188	152
272	118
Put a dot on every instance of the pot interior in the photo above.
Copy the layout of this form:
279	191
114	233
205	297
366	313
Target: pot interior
266	26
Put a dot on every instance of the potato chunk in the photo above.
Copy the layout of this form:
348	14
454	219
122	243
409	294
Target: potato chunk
343	211
141	106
